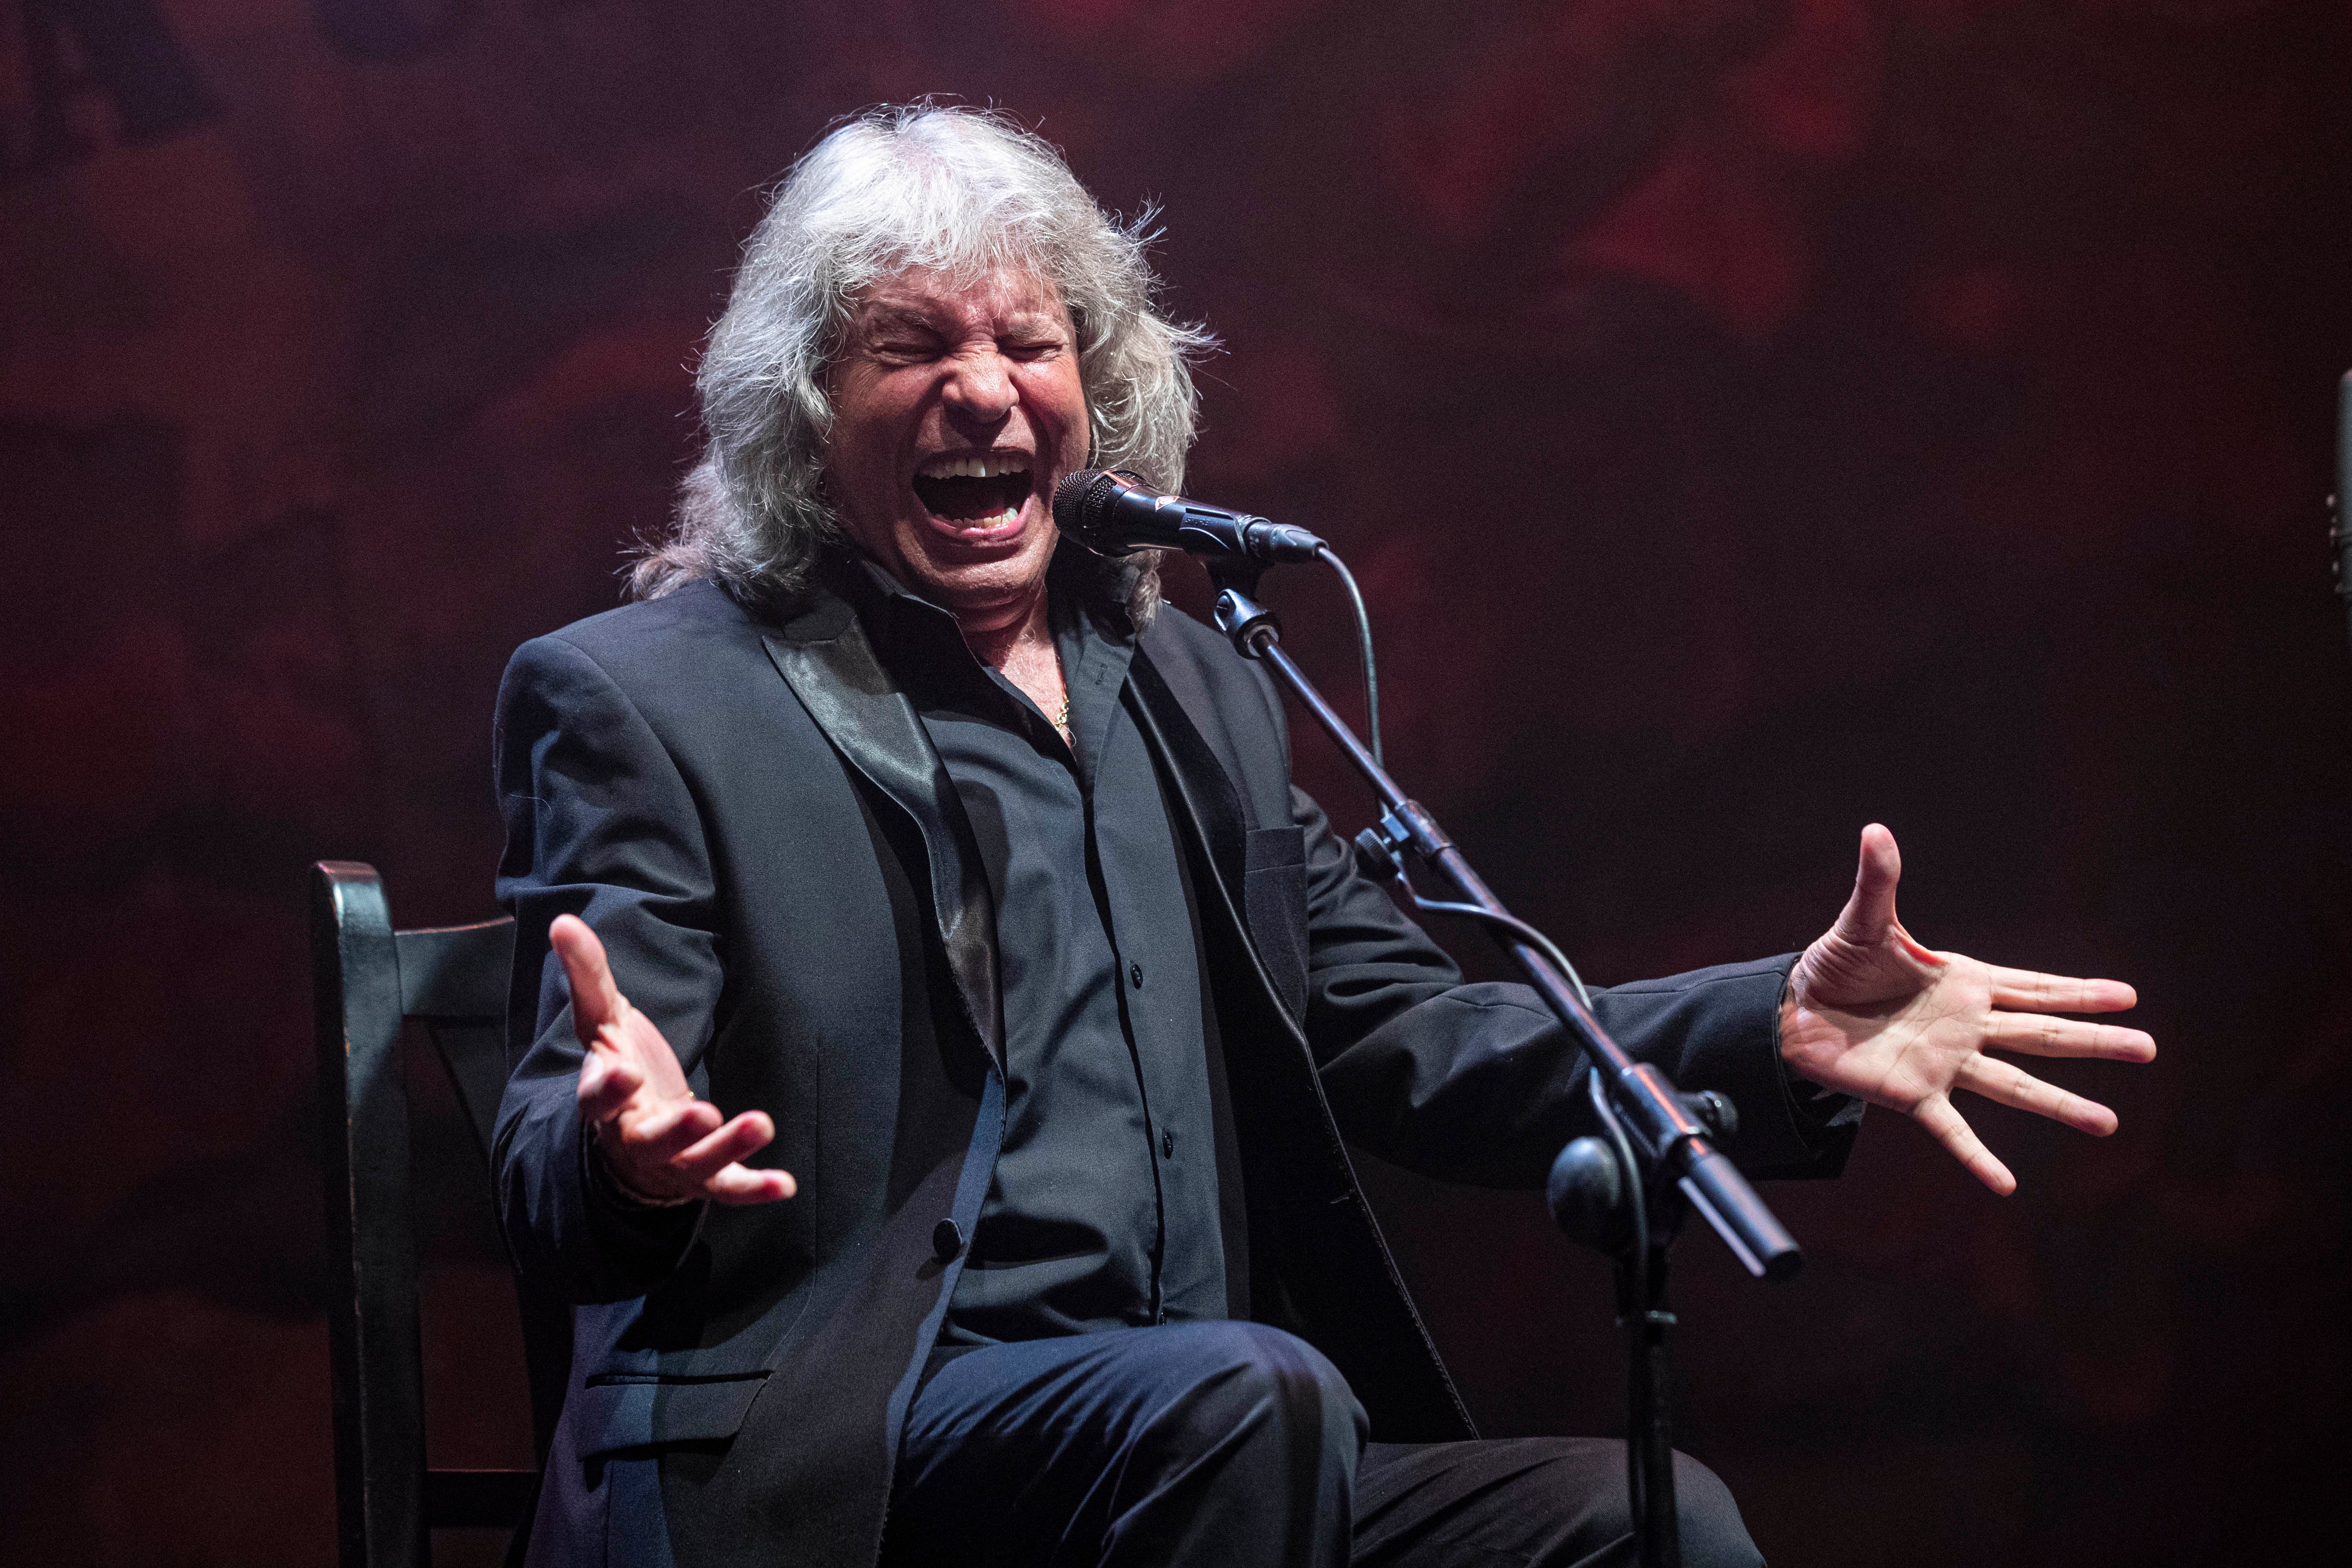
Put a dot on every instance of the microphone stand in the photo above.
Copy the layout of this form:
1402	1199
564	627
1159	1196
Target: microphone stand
1624	1195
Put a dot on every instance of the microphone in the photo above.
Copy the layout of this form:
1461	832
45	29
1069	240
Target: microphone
1110	512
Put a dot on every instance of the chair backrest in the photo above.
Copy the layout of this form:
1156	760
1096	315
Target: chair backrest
367	978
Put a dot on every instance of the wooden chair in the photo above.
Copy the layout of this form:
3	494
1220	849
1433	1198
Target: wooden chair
368	979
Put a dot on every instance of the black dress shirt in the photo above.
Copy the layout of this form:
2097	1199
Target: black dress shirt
1103	1210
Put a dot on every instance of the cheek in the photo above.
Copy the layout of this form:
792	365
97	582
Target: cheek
1060	399
862	451
871	399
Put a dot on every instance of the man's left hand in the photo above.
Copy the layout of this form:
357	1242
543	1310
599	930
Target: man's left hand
1872	1013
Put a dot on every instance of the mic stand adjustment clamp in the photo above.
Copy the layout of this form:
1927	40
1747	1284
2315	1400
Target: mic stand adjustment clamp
1381	850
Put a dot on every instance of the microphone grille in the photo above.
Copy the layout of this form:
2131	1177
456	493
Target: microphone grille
1078	500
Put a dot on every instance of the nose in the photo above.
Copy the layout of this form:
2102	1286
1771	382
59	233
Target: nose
979	385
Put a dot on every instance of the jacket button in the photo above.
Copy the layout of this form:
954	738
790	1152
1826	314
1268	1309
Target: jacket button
1135	976
947	1240
1167	1143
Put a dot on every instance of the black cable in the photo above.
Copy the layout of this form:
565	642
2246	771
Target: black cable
1364	644
1512	923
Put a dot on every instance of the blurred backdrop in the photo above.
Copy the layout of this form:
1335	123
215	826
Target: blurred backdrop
1750	418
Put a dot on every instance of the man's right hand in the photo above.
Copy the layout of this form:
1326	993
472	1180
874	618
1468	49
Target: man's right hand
660	1144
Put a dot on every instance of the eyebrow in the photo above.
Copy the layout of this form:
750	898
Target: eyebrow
897	316
901	317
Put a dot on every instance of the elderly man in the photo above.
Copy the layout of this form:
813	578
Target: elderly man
892	857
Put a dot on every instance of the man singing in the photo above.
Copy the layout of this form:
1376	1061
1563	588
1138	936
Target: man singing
892	843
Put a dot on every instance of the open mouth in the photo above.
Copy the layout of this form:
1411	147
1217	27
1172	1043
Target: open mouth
974	491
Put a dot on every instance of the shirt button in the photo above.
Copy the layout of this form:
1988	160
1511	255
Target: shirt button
1135	976
947	1240
1167	1143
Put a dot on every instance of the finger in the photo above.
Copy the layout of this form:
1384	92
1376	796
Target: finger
595	999
745	1136
1920	952
1869	914
1952	1130
2035	992
636	1037
2008	1085
2038	1034
656	1135
606	1086
741	1184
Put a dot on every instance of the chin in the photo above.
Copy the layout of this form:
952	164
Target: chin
971	578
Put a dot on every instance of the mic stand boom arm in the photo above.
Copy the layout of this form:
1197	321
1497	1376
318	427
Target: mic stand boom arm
1667	1129
1668	1135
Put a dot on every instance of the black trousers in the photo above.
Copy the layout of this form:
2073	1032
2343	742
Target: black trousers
1233	1444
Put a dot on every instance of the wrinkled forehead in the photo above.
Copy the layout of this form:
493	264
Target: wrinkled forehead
971	298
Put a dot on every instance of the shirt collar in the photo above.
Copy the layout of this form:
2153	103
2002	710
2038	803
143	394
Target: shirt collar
917	637
891	606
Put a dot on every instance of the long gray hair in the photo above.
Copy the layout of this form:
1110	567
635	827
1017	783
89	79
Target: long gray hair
959	190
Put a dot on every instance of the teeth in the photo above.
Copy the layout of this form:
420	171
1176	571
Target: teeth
988	467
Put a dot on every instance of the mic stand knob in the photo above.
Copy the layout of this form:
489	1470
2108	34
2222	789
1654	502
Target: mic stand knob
1714	1110
1586	1195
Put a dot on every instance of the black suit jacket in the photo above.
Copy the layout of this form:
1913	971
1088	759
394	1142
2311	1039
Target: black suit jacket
749	813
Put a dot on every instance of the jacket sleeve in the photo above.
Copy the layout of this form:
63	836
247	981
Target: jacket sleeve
599	824
1479	1083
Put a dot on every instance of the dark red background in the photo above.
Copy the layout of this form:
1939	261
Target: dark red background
1750	420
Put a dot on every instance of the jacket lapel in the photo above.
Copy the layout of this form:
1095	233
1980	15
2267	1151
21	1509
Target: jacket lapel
824	654
1331	1278
1203	794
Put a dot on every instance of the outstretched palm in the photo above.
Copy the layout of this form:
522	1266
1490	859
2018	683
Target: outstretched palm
1870	1012
661	1143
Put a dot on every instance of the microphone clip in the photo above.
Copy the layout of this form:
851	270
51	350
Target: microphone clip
1236	574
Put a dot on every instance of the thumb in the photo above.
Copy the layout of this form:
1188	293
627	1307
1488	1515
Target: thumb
596	1001
1869	915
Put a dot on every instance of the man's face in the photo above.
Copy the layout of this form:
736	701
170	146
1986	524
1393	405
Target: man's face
956	410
